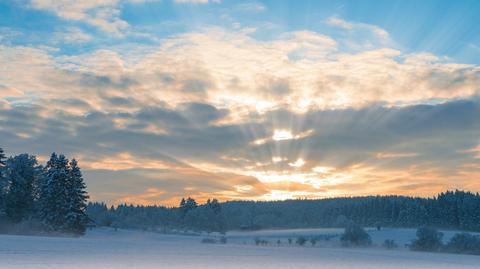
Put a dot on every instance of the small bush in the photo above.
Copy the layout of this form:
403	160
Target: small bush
428	239
208	241
389	244
355	235
313	241
223	240
260	242
301	241
464	243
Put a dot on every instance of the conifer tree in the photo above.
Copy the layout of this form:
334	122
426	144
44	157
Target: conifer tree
2	181
187	205
77	218
3	158
54	205
21	173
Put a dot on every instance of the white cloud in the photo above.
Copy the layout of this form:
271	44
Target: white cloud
297	163
378	32
299	71
389	155
251	7
72	35
103	14
7	34
335	21
197	1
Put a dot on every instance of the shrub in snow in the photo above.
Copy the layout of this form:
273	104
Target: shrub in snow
389	244
464	243
261	242
355	235
223	240
313	241
301	241
208	241
428	239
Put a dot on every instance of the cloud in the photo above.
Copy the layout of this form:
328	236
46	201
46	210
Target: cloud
7	34
150	125
299	71
72	35
475	150
335	21
361	32
251	7
197	1
103	14
384	155
384	148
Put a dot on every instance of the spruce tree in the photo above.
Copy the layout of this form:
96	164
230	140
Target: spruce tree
3	158
54	200
187	205
77	218
21	173
2	181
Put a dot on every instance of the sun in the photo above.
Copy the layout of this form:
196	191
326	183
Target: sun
282	135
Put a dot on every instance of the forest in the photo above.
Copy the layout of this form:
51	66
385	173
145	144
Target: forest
42	199
448	210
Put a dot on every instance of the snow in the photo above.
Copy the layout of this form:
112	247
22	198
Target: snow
107	248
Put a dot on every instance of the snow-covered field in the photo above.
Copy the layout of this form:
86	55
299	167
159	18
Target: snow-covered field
106	248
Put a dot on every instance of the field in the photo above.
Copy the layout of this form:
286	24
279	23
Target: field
107	248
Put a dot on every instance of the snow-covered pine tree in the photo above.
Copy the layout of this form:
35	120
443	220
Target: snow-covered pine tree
54	204
2	181
77	197
187	205
21	173
3	158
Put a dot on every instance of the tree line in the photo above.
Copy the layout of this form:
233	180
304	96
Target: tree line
189	215
36	198
447	210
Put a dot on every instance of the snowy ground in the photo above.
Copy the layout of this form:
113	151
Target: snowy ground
106	248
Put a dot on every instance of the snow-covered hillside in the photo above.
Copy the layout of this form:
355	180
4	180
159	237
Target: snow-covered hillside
106	248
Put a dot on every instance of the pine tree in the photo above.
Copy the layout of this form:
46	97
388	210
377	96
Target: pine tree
77	218
54	204
2	181
190	203
187	205
3	158
215	206
21	173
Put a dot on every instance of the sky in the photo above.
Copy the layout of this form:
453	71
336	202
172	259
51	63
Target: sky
263	100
